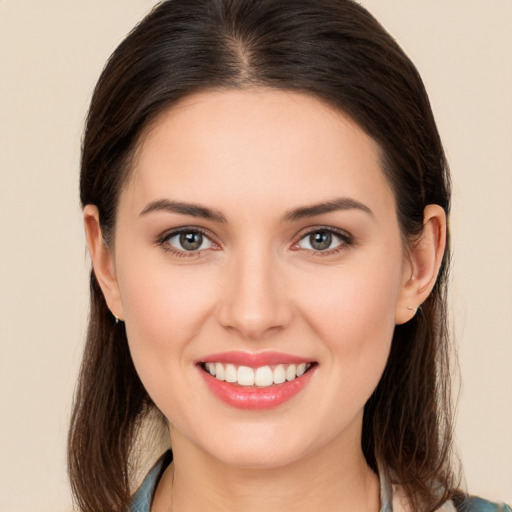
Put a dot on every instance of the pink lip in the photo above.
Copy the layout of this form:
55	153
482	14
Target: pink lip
255	398
253	360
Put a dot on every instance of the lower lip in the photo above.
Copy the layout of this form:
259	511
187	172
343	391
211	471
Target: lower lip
255	398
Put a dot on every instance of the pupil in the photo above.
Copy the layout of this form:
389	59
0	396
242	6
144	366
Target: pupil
320	240
191	241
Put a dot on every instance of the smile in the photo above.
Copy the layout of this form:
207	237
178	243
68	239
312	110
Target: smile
263	376
255	381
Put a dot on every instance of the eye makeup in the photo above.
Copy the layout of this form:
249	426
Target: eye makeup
193	241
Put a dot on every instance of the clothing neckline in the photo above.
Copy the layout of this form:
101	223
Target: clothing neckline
144	495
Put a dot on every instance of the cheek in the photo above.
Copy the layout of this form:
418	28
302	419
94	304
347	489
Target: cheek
355	299
354	314
164	309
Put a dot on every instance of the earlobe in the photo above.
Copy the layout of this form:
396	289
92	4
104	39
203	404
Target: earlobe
424	262
102	259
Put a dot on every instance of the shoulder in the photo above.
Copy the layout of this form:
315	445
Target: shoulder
475	504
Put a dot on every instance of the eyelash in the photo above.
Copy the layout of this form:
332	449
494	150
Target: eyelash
346	241
163	241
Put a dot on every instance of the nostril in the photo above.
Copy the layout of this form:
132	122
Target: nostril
252	321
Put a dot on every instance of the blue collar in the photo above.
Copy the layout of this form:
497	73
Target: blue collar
144	495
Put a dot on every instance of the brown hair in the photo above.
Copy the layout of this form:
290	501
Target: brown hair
335	50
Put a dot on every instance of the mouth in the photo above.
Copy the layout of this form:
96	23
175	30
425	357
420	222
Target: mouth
259	377
255	381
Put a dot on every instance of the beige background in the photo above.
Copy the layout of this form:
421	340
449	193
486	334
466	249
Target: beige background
51	53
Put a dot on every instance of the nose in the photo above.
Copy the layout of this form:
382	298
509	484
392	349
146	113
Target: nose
254	304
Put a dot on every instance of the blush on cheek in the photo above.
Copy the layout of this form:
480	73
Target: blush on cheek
353	305
161	302
162	315
357	319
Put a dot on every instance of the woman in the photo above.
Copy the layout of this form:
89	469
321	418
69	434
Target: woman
265	202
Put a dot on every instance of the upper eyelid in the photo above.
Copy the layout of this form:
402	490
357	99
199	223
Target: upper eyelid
185	229
314	229
346	240
166	235
345	235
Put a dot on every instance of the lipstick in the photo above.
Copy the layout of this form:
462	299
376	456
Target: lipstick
255	381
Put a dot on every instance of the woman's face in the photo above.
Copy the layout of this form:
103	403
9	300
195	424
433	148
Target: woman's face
258	234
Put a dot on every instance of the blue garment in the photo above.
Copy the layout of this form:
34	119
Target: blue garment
479	505
143	497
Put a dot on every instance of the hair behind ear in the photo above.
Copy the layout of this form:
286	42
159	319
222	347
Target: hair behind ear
408	421
110	402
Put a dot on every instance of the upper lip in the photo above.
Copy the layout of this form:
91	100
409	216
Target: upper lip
253	360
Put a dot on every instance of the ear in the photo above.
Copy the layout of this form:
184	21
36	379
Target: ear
424	260
102	258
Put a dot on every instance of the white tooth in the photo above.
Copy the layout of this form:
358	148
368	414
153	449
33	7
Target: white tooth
264	377
245	376
301	369
279	374
219	371
291	372
230	374
210	367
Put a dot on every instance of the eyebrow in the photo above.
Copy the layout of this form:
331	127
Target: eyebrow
194	210
344	203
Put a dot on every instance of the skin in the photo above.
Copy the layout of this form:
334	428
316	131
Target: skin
257	284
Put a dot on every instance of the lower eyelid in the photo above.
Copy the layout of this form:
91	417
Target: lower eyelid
344	239
164	239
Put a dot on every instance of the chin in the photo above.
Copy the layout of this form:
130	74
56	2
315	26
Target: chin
259	458
263	445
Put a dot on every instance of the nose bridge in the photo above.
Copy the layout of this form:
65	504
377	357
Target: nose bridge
254	302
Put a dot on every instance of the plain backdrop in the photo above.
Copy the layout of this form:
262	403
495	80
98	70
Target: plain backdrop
51	53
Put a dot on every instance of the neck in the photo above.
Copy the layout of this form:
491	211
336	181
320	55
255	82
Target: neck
331	480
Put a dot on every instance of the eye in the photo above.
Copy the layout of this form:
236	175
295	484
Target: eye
321	240
187	240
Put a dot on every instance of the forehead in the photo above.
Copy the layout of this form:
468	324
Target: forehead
256	145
